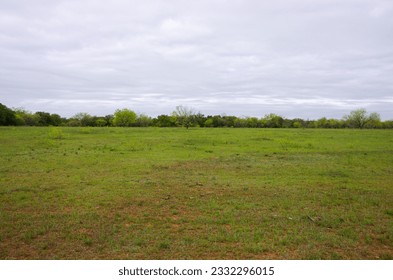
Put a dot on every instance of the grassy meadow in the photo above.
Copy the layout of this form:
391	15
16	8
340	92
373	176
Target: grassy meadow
173	193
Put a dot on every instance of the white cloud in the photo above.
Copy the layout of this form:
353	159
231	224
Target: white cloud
240	57
382	8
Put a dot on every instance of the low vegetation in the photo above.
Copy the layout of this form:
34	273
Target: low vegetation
198	193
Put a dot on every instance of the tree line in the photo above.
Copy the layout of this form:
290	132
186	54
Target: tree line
186	117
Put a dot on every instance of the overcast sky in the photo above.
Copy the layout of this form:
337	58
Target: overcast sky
299	58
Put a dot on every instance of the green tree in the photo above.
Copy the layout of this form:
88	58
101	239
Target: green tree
143	120
164	121
209	122
81	119
199	119
101	122
322	122
24	117
360	119
109	119
252	122
296	124
240	122
7	116
219	121
387	124
124	117
184	116
272	120
374	121
55	120
43	118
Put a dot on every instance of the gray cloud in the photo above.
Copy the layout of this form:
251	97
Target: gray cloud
298	58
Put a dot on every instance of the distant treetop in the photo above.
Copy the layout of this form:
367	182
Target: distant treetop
187	117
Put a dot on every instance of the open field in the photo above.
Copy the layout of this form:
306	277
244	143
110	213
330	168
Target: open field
172	193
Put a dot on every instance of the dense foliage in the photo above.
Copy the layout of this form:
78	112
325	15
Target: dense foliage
186	117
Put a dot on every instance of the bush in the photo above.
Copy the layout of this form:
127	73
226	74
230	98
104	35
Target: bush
56	134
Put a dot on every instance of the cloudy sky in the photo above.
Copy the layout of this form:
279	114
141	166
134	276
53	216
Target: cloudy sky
296	58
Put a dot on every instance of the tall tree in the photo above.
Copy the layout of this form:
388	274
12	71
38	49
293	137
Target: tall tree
360	119
43	118
7	116
272	120
24	117
143	120
124	117
184	116
164	121
374	121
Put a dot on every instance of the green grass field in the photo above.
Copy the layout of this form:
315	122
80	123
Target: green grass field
173	193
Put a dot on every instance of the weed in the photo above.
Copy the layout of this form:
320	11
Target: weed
87	241
56	134
139	242
164	245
